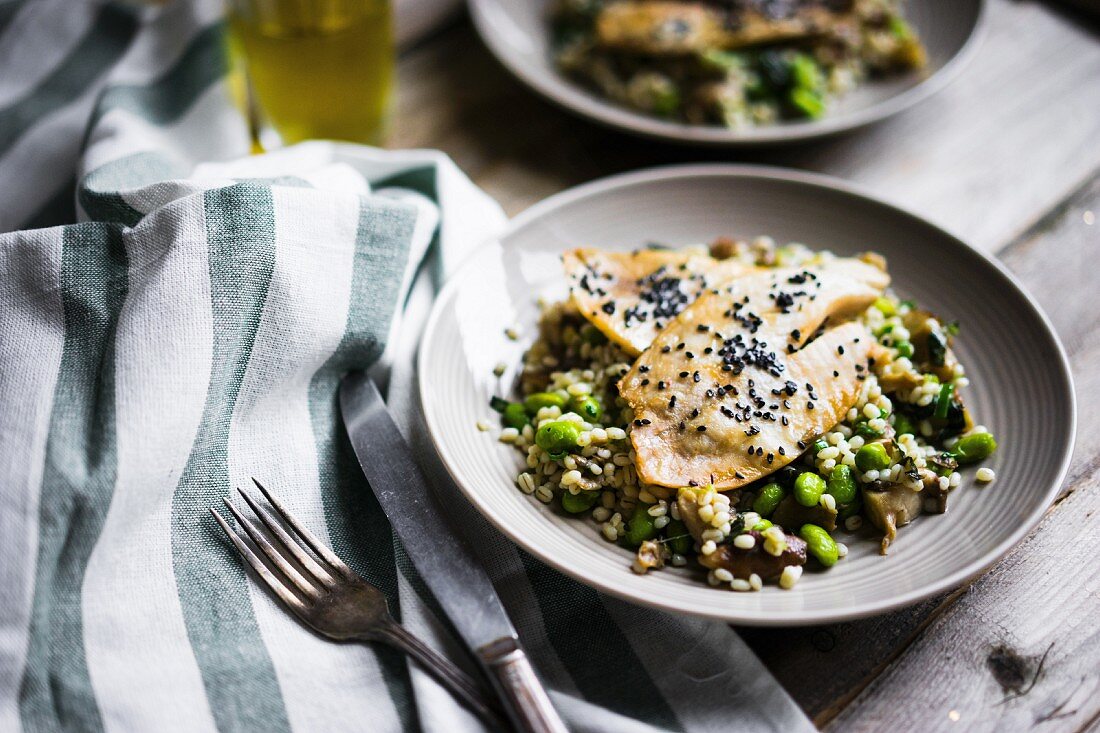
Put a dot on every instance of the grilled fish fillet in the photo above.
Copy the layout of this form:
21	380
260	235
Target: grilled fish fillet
665	27
631	296
731	391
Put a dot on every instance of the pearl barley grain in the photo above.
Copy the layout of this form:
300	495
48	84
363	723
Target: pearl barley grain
985	475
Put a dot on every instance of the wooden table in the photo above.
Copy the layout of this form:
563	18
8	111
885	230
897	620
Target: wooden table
1008	157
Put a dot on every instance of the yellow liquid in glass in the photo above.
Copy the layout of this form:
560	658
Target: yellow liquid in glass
320	69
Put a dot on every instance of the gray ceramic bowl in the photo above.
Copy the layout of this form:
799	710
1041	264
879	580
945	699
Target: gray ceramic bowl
516	31
1020	380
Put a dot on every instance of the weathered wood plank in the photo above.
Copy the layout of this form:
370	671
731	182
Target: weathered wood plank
1019	648
987	157
1053	260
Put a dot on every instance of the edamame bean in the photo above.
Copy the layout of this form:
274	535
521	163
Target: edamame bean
820	544
872	456
808	488
679	540
557	436
762	525
587	407
886	306
535	402
640	527
768	499
904	349
514	416
974	447
580	502
820	445
841	484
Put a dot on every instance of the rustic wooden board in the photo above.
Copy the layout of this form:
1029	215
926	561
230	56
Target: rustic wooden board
987	157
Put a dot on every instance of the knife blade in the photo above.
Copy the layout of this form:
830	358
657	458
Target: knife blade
443	558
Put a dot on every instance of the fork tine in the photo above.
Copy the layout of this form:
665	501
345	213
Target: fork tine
285	595
314	544
289	571
304	558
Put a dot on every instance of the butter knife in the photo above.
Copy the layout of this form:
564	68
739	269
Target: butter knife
442	557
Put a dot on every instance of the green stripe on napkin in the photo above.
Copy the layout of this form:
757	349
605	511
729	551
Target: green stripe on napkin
77	482
238	674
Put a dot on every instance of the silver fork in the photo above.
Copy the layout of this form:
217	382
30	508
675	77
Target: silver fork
333	600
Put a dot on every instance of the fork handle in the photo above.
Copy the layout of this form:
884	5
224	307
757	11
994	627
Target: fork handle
525	699
457	682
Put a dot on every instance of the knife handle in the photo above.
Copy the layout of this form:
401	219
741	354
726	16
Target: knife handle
525	700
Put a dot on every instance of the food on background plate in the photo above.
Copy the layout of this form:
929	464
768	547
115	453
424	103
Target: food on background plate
732	63
737	406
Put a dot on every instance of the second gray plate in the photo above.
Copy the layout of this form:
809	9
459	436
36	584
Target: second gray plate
517	32
1020	381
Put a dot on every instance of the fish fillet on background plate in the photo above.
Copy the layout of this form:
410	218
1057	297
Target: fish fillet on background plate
737	384
665	27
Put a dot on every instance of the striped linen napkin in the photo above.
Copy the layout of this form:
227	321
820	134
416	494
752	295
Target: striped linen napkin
190	333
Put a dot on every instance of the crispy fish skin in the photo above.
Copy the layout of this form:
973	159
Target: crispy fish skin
631	296
667	27
730	392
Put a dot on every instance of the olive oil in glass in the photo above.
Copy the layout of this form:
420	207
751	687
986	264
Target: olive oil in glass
317	69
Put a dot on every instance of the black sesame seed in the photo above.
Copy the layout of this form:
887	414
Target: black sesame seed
666	349
809	405
609	307
661	384
702	428
782	451
840	350
645	421
689	355
695	377
683	374
643	368
645	382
